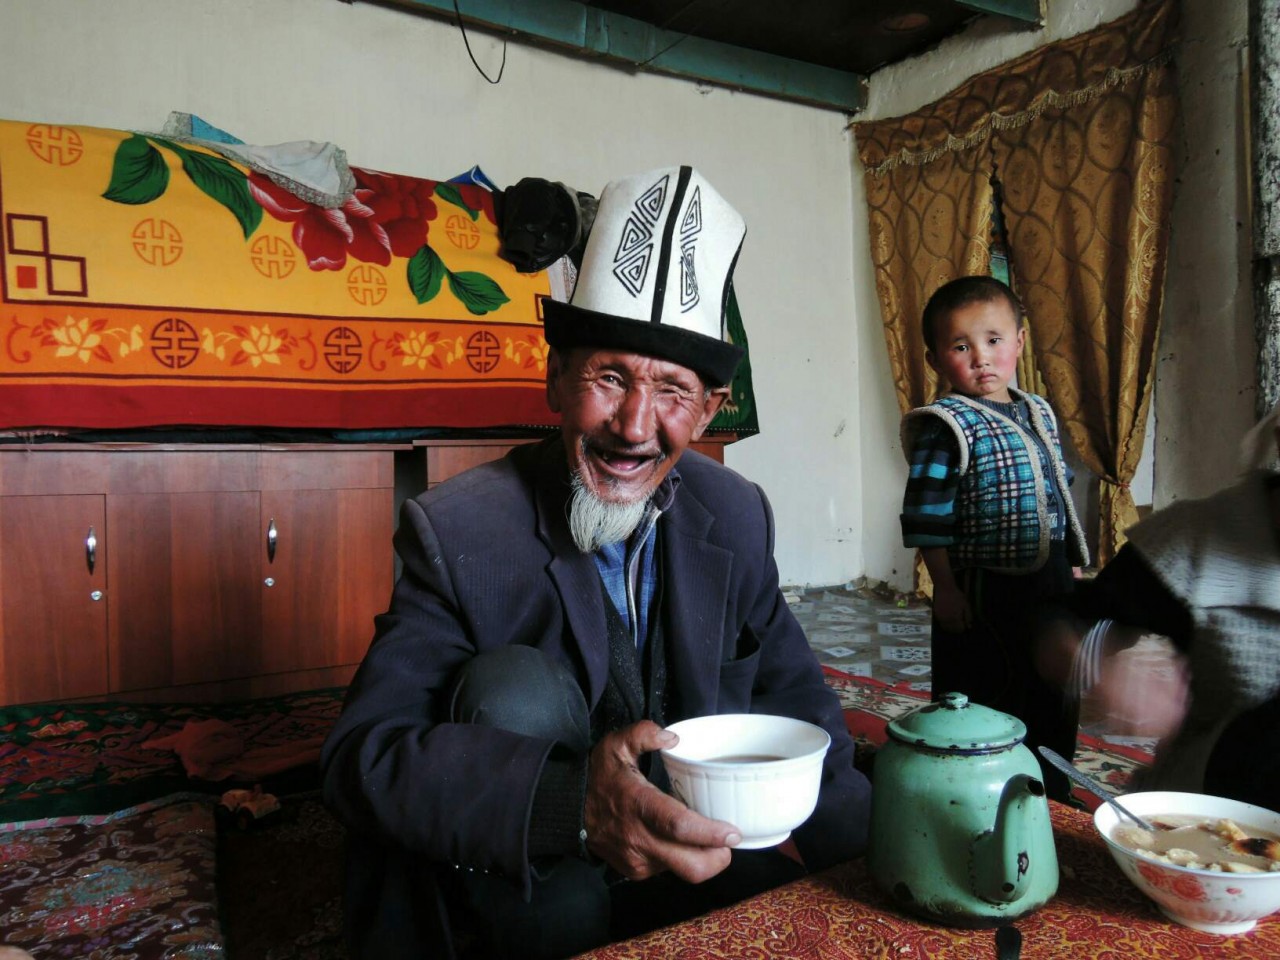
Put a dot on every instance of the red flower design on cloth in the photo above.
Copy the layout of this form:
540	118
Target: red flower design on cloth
403	205
386	216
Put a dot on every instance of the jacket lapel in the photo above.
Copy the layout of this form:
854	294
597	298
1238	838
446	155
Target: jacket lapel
574	574
696	582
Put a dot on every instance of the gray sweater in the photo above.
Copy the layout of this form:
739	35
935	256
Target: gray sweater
1220	558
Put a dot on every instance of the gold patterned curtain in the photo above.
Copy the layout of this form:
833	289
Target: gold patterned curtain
1079	134
929	224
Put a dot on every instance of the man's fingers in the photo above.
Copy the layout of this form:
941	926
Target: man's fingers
694	866
640	738
671	821
686	843
667	835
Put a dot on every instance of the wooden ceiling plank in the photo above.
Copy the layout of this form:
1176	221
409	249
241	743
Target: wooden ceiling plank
626	41
1027	11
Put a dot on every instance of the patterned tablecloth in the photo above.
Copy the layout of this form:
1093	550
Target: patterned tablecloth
841	914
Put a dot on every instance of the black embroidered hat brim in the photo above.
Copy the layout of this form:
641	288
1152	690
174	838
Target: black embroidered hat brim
568	327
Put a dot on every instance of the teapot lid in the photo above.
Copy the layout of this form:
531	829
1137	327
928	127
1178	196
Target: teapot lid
955	725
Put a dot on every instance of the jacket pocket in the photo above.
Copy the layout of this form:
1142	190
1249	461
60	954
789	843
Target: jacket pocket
737	675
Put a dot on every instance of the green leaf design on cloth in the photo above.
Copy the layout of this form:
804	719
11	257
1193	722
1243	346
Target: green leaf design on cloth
450	193
739	414
223	182
478	293
138	173
426	272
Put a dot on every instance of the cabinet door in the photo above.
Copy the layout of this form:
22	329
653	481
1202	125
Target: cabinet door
54	640
330	576
445	459
185	601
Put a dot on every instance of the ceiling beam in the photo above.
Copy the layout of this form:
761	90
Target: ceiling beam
1028	11
628	42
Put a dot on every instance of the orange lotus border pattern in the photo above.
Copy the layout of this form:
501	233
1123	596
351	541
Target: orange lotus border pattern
146	282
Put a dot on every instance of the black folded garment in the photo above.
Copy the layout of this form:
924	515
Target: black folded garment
540	221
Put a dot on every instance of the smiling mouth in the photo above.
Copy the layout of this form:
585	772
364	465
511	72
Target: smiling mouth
623	461
620	464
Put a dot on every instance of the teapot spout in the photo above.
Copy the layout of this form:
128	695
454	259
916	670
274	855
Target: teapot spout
1001	858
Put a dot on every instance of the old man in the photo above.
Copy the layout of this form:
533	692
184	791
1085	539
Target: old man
495	761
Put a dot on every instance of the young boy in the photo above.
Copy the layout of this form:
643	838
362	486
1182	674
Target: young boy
987	505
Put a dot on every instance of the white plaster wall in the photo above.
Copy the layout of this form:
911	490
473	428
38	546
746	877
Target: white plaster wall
1205	377
398	92
1206	380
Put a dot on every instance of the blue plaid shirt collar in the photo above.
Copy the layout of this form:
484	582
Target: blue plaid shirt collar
630	570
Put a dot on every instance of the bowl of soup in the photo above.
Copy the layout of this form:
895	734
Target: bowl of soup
759	772
1211	864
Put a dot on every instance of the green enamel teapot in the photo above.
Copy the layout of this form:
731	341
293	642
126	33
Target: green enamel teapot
960	830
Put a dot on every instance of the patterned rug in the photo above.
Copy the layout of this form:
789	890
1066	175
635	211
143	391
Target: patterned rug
89	758
280	885
278	882
137	884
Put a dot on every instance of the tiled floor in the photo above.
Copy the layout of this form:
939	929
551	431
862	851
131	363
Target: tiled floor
874	632
866	632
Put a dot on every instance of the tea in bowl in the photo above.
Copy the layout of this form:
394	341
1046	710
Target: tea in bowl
757	771
1189	865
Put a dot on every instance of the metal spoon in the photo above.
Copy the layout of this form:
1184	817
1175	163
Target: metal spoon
1093	786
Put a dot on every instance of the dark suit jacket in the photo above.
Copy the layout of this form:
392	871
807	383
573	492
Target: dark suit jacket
488	560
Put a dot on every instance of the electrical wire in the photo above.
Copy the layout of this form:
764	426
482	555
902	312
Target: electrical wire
680	39
467	43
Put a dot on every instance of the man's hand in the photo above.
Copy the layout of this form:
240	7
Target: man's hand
1144	695
635	827
951	607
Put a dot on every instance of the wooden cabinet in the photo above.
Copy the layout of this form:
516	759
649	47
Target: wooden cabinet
217	571
194	572
184	603
54	623
330	577
446	458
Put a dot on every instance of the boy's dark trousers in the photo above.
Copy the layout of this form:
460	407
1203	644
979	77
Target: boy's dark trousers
991	662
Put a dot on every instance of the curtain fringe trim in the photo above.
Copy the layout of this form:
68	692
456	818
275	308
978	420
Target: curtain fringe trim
996	121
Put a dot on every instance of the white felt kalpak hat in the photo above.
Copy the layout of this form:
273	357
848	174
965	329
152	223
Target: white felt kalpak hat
655	274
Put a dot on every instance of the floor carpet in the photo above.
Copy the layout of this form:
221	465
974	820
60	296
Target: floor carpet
92	758
279	880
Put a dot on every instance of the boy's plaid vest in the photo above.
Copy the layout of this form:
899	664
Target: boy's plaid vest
1002	510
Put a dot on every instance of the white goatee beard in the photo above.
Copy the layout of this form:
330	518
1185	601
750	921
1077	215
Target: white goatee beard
594	522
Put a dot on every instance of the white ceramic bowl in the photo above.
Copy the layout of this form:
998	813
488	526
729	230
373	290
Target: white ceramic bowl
717	770
1205	900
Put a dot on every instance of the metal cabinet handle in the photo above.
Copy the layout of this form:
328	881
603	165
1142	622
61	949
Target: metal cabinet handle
91	549
272	536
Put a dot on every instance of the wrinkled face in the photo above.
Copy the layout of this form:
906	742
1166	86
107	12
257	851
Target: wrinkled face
626	418
976	349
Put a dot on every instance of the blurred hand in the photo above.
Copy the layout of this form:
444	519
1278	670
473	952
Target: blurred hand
635	827
1143	696
951	607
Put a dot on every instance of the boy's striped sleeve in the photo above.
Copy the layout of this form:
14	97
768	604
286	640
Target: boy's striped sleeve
933	479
